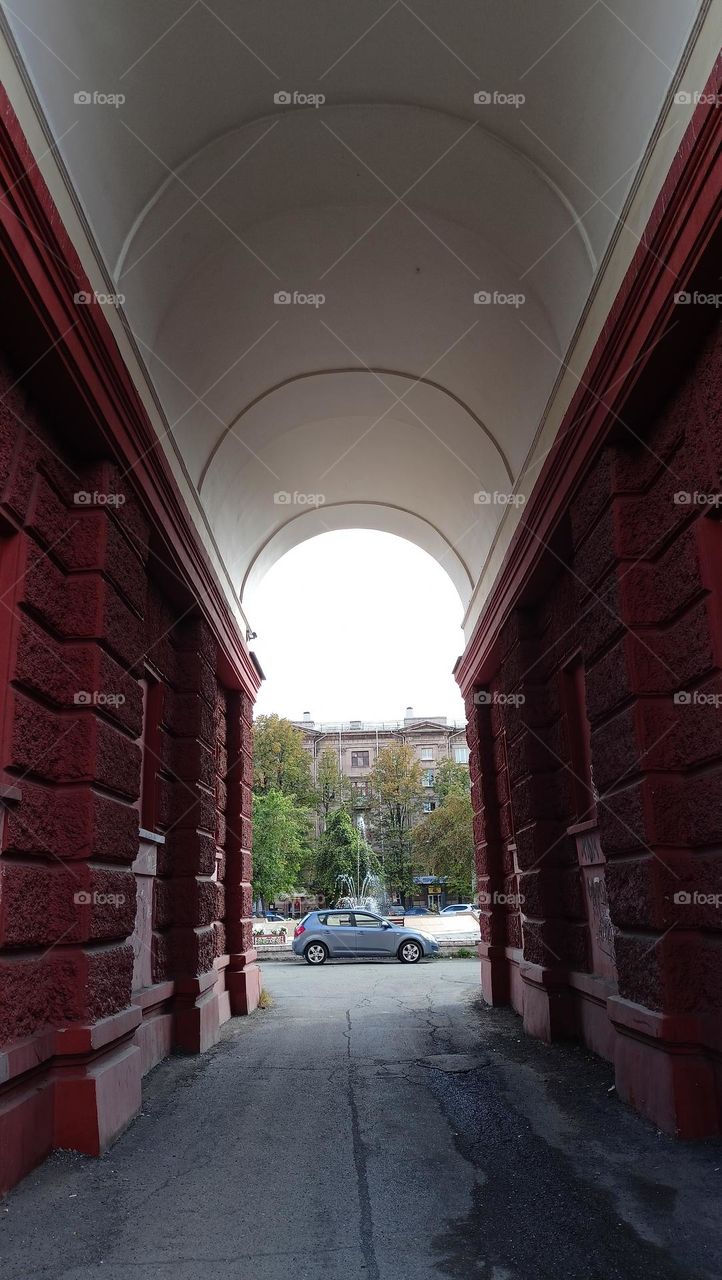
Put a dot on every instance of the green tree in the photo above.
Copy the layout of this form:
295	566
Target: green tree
342	851
280	761
280	829
451	779
443	843
398	793
333	790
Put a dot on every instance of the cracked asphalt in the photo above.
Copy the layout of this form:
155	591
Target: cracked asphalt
378	1123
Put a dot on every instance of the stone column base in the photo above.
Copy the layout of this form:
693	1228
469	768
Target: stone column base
663	1068
494	973
197	1021
549	1012
243	982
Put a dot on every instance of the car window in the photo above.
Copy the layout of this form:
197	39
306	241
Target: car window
368	922
338	920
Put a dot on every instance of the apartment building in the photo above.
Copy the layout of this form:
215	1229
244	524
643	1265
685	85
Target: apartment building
357	743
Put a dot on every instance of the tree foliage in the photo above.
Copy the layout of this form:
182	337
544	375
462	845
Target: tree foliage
341	850
280	828
451	779
280	762
333	790
443	843
398	793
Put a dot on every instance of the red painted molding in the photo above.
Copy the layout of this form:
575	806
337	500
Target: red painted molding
47	269
686	214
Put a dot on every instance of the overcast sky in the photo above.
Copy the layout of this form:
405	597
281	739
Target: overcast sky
357	625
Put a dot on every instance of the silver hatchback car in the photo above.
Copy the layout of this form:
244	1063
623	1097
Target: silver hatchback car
335	934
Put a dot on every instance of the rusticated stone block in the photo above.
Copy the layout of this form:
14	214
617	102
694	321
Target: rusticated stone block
607	680
644	523
105	986
673	659
40	905
188	716
678	972
615	750
195	636
76	823
543	843
195	902
239	901
73	748
596	558
593	497
77	676
37	905
652	592
193	950
188	853
676	735
38	992
600	620
106	478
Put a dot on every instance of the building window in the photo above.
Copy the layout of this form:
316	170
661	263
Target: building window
427	753
153	697
361	787
359	759
579	734
461	755
428	778
429	806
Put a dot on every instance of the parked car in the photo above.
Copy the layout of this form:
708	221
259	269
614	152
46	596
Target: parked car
419	911
459	906
273	915
324	935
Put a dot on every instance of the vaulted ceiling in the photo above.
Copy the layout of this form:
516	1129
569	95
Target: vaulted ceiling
395	399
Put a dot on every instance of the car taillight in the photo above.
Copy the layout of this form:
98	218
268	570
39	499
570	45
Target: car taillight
300	928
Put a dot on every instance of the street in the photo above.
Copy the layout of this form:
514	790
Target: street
377	1123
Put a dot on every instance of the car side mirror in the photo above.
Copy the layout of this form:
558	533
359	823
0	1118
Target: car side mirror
387	925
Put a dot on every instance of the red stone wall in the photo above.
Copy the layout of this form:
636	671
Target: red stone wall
85	629
635	592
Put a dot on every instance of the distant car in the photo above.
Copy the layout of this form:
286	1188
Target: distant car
324	935
458	906
273	915
419	911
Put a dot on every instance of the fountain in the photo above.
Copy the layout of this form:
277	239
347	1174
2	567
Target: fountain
354	892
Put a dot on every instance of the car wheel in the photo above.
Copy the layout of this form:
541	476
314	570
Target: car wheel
316	953
409	952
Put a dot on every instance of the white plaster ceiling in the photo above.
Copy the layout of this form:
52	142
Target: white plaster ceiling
399	399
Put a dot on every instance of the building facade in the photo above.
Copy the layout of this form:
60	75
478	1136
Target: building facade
356	745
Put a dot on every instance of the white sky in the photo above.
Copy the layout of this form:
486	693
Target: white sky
357	625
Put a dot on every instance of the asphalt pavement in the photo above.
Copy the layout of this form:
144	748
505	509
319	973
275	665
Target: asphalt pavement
377	1123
